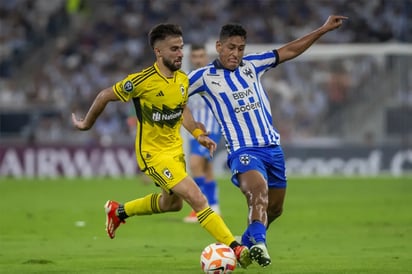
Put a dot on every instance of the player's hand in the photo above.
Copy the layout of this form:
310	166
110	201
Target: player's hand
334	21
79	123
208	143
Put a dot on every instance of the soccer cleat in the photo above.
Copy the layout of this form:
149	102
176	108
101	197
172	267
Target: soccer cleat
259	254
112	220
242	255
191	218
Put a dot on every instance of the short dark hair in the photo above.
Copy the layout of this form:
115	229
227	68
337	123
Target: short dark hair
230	30
161	31
197	47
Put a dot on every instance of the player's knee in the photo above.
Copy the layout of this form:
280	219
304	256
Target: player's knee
274	213
199	202
176	205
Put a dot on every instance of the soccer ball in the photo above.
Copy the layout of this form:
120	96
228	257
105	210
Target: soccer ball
217	258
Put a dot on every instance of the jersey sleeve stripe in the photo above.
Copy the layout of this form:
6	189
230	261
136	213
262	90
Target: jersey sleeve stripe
142	74
260	56
263	61
139	80
196	83
119	94
277	57
195	76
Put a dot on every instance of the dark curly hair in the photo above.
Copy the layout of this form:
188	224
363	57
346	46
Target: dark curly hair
230	30
161	31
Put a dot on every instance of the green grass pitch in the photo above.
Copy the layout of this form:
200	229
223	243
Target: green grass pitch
330	225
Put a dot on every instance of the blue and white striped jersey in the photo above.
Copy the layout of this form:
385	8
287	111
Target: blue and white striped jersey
238	100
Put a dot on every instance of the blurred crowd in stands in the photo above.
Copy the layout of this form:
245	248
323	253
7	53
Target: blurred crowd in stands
56	55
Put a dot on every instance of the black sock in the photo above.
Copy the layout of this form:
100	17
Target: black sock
121	213
234	244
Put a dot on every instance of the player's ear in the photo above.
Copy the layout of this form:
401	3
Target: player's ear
218	46
157	52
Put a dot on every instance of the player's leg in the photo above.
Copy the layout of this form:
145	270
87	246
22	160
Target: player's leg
277	184
254	186
190	192
162	202
153	203
249	174
211	185
208	219
274	162
166	171
197	167
210	188
275	206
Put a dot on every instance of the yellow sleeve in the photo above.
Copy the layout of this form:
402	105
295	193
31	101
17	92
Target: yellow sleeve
125	89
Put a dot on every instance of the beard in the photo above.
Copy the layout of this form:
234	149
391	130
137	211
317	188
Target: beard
170	65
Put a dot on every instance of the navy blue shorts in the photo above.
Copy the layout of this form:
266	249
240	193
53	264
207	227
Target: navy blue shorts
269	161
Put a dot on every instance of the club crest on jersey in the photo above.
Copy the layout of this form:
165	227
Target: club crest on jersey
244	159
168	174
248	72
128	86
182	89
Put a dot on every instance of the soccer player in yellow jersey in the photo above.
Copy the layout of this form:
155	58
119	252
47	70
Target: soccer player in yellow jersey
159	94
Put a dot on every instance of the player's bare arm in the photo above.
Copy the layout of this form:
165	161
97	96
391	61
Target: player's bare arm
189	122
197	130
102	99
298	46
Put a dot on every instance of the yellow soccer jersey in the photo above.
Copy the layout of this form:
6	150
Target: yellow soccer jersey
159	103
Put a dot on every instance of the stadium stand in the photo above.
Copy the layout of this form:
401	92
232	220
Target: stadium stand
55	55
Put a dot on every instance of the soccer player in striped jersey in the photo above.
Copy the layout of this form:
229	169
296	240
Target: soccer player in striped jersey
231	87
200	162
159	94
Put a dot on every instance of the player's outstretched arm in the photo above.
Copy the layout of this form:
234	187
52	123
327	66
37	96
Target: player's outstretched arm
298	46
99	103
